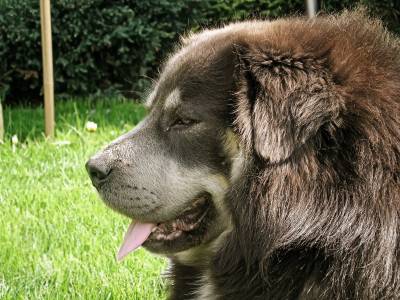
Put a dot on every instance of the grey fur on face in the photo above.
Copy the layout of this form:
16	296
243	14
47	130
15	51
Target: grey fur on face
155	172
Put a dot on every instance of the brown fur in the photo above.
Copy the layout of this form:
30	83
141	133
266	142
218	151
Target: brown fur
316	212
312	108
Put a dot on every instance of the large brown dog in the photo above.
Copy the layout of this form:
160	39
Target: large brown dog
269	164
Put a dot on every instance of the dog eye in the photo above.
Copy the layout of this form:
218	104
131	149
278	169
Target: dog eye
182	122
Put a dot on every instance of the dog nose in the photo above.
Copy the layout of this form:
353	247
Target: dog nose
98	171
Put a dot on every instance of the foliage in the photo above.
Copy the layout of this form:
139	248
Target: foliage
109	47
57	239
98	45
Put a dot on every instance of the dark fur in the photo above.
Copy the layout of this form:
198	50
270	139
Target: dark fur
316	210
315	107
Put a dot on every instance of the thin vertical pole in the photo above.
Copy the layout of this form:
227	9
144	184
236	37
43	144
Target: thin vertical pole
47	54
1	123
312	7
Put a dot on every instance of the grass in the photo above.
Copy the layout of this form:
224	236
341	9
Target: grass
57	239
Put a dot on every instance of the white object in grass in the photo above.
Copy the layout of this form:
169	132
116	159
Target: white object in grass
14	139
91	126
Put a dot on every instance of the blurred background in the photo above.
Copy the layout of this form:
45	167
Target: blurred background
57	239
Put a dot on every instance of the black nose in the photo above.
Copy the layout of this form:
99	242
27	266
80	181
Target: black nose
98	171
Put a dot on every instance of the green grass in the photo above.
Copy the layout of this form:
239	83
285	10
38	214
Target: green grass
57	239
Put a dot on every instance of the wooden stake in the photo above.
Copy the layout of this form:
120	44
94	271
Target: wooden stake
47	54
1	123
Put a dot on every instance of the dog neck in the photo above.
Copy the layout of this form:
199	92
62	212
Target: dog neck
190	271
200	256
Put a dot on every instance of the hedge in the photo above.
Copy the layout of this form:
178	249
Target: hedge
114	47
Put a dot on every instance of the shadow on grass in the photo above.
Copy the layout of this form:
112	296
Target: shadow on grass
28	122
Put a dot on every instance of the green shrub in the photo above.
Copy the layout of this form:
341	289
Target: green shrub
102	47
98	46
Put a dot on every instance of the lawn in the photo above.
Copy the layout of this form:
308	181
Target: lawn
57	239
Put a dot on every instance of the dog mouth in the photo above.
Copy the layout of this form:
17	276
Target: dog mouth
189	220
188	227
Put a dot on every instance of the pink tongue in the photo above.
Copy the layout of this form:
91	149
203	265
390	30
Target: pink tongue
135	236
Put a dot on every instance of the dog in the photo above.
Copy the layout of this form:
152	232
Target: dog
268	166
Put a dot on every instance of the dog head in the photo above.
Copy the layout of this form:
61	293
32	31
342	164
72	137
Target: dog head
172	170
221	98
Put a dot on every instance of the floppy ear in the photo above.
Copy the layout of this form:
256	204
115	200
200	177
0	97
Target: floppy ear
282	101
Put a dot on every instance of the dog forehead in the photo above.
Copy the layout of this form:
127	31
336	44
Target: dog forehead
165	101
167	92
187	70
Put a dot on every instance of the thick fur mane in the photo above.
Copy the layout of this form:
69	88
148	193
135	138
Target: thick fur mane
316	211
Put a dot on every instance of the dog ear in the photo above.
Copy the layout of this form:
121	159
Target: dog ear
282	100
